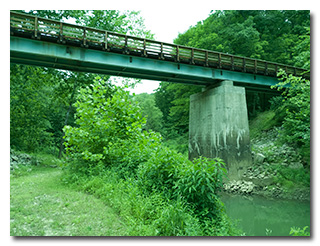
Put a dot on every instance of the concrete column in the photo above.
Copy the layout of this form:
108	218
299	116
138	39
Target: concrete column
218	127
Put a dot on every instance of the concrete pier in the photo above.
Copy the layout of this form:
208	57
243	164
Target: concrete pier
219	127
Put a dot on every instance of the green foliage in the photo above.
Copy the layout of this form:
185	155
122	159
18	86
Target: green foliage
298	232
159	171
126	22
57	14
149	110
179	111
301	51
199	183
296	105
41	99
29	111
281	36
109	128
263	122
150	214
269	35
148	181
177	142
163	98
173	100
289	177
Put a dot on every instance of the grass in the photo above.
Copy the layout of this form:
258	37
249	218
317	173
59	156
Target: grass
46	201
41	205
264	121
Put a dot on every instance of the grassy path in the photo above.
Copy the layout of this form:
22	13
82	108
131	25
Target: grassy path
40	205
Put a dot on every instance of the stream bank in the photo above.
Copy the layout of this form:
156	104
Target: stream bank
277	172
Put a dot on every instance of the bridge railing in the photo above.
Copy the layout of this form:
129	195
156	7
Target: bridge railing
30	26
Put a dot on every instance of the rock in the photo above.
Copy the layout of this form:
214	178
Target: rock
17	159
258	158
266	181
240	187
295	165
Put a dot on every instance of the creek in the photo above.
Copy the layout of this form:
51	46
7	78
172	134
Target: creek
259	216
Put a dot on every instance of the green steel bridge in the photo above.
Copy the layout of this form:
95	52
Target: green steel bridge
44	42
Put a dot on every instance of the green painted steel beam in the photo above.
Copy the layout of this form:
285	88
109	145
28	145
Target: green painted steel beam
60	56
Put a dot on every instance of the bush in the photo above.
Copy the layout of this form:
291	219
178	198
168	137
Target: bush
159	190
160	171
177	220
108	130
296	105
290	177
297	232
199	183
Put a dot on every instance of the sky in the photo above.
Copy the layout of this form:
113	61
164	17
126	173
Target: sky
166	25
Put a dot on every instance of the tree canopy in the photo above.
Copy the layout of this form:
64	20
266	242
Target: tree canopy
281	36
41	99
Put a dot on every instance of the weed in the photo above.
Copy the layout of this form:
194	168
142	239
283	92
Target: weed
299	232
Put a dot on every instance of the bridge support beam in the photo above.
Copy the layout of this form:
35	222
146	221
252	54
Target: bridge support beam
218	127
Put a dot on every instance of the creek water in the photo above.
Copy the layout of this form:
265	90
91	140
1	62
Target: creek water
259	216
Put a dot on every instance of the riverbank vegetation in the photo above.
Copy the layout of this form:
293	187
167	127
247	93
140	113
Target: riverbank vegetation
108	143
128	152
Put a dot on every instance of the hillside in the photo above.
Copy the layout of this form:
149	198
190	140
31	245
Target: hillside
278	169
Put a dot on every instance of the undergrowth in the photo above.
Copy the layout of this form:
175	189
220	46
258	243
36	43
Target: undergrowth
152	213
156	190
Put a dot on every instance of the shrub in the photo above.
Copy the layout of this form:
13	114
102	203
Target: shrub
108	128
199	183
296	105
159	172
296	232
151	184
290	177
176	220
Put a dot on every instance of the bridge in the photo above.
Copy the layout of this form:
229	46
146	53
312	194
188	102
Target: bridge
218	115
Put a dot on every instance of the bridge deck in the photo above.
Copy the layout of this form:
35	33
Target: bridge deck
32	27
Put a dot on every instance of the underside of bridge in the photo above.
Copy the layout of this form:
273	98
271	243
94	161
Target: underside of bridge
61	56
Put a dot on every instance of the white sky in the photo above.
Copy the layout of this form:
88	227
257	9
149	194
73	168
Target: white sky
166	25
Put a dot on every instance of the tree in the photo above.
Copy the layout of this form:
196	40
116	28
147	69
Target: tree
108	129
278	36
41	98
296	105
301	51
268	35
163	99
29	100
126	22
149	110
173	100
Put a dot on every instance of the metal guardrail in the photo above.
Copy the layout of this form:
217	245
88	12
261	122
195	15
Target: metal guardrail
34	27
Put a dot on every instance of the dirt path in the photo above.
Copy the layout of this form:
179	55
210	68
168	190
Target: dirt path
40	205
